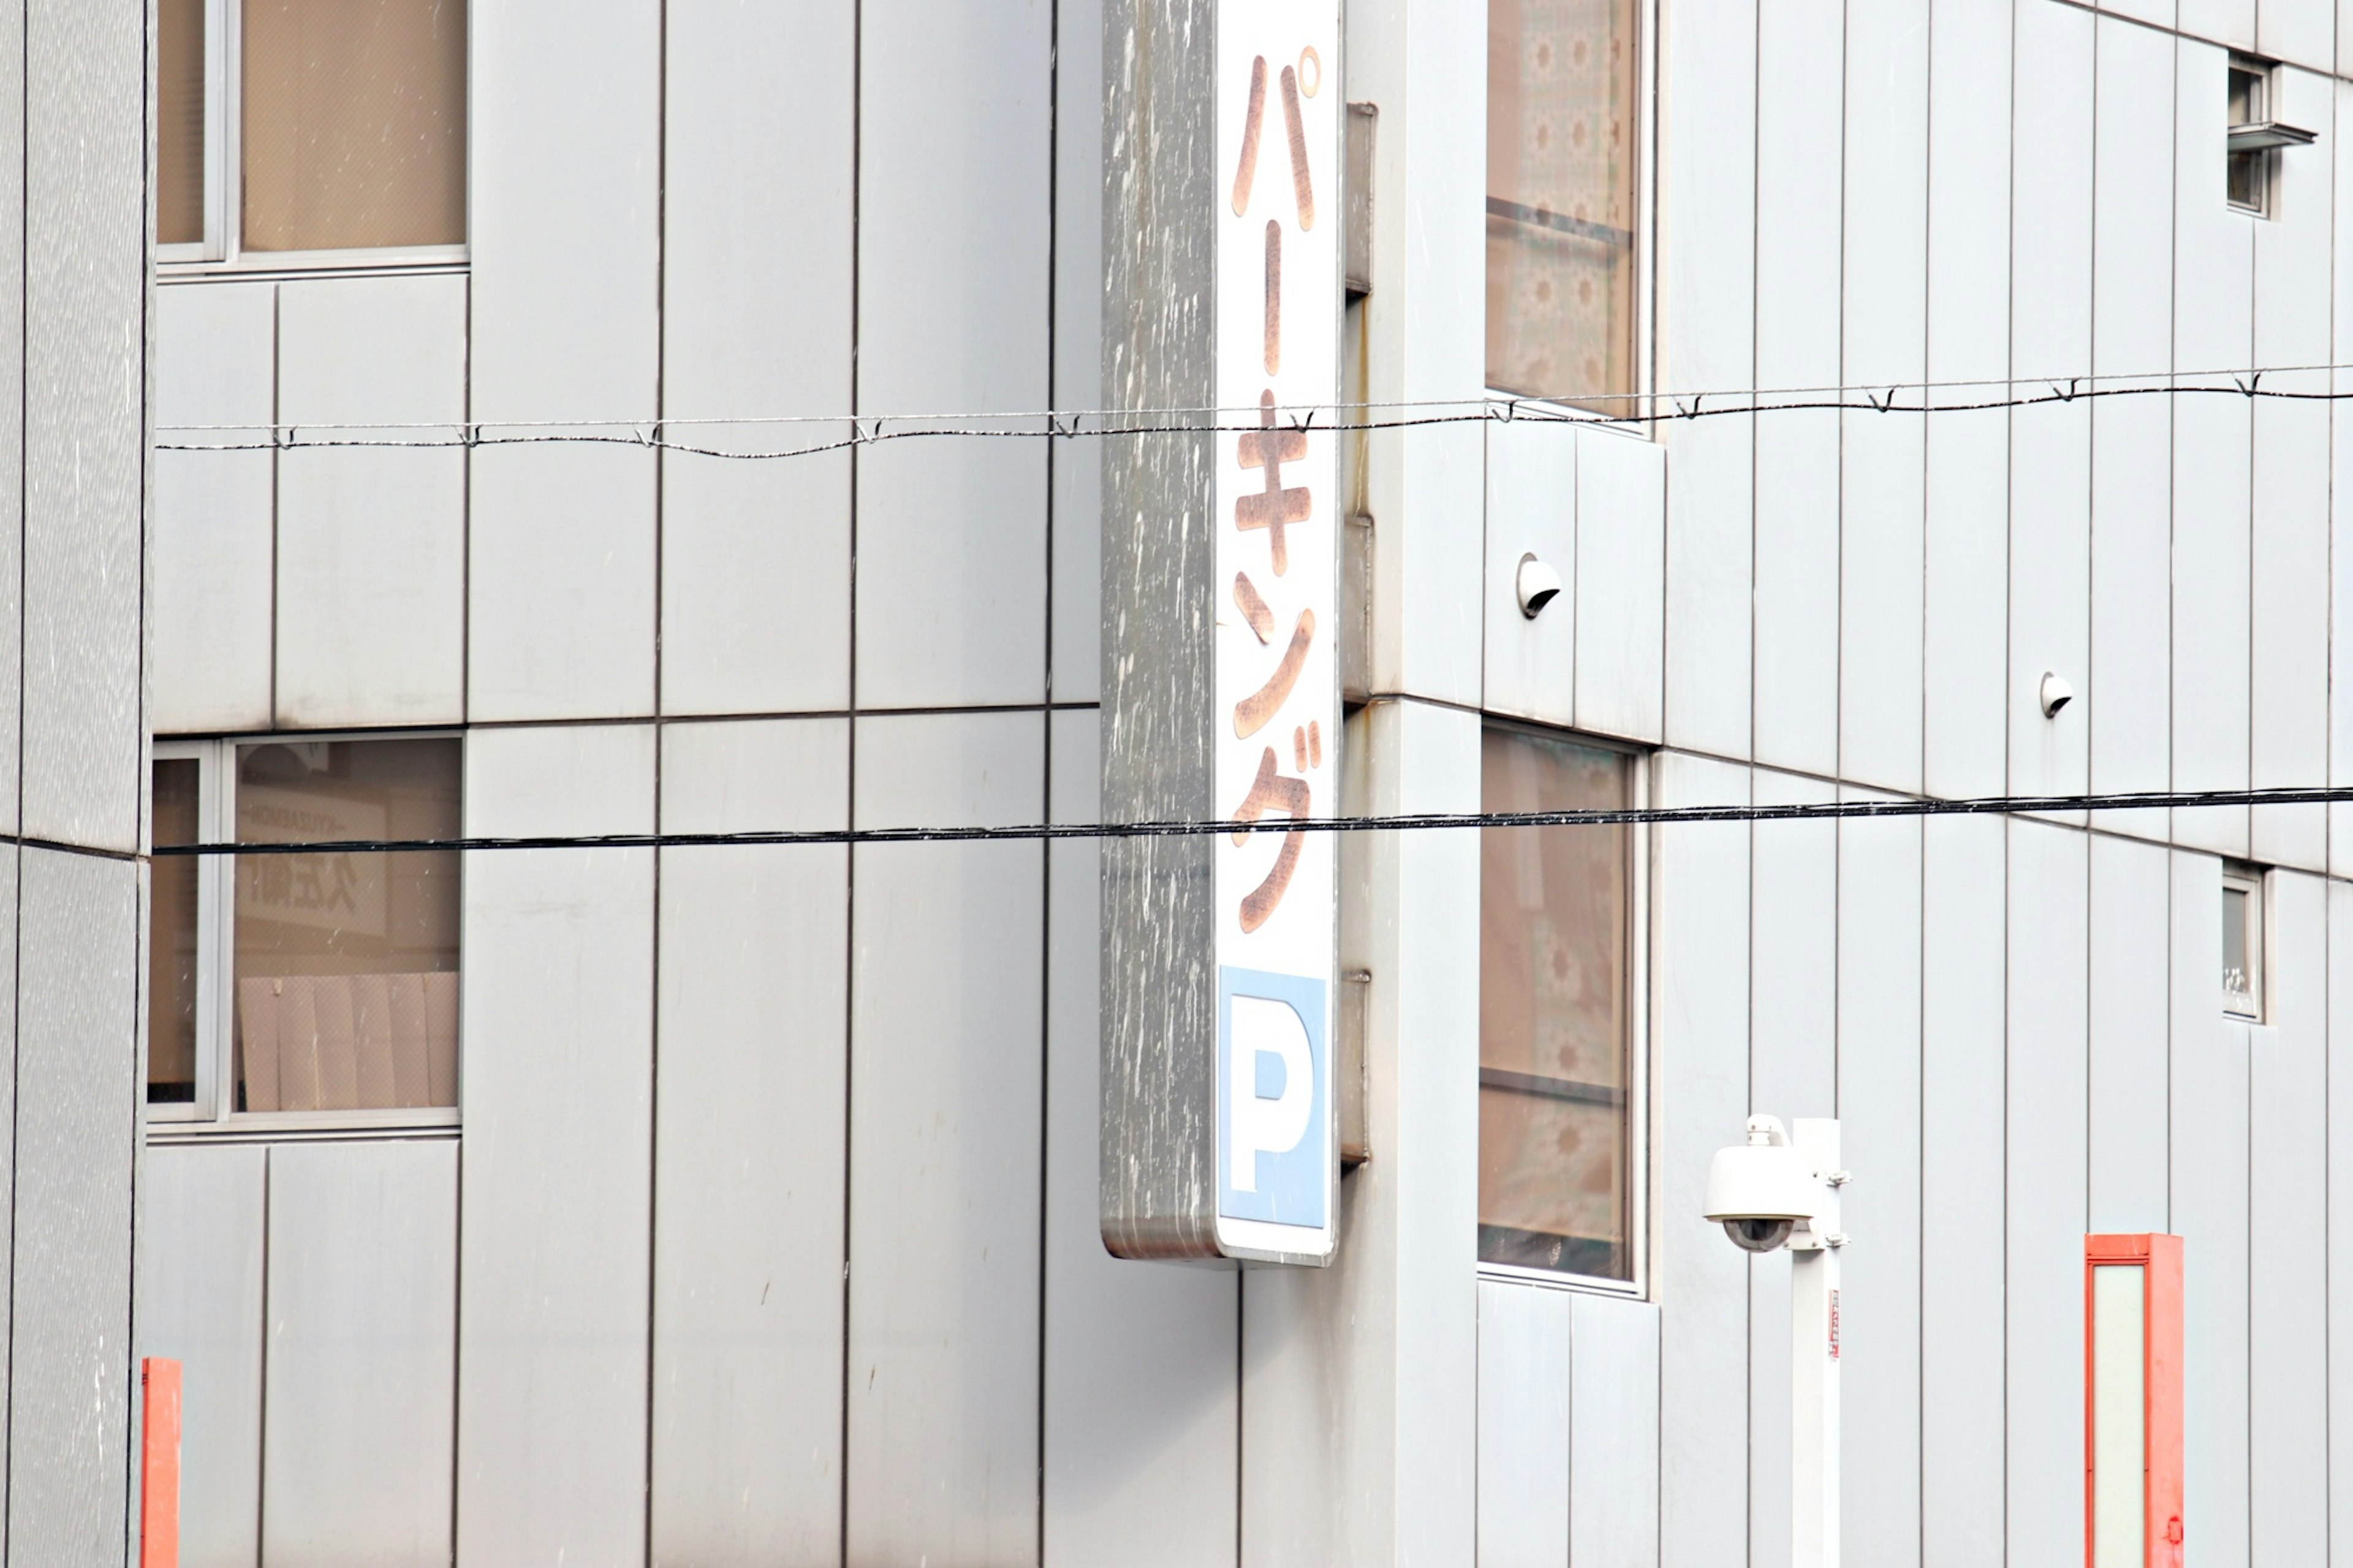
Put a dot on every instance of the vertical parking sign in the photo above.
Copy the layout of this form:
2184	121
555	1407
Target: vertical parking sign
1276	722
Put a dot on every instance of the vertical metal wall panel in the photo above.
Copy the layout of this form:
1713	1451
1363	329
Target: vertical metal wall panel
1699	989
17	228
760	122
70	1358
2209	1136
1075	469
84	475
1523	1441
1613	1444
749	1155
1800	96
1424	336
10	857
371	561
560	573
2130	1012
2128	677
1965	665
1530	667
358	1418
945	1169
2288	694
1707	199
211	534
2301	31
1140	1462
2213	260
954	162
1397	1308
1620	586
2158	12
2287	1235
1879	1112
1964	922
1884	341
2050	330
200	1302
2045	1192
557	1074
2227	22
564	169
2340	1215
2340	495
1793	994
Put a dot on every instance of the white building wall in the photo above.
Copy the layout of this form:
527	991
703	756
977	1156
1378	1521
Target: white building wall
774	1235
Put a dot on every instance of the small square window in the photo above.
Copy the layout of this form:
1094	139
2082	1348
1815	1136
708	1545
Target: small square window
2243	943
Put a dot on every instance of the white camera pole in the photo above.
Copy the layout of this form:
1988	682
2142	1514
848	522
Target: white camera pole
1782	1188
1814	1353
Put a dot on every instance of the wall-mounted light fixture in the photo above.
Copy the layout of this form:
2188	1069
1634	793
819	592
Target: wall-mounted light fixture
1536	585
2053	694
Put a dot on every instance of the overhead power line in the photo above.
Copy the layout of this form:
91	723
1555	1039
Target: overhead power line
1808	811
691	437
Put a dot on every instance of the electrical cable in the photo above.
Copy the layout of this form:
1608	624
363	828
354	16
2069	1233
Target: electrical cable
869	429
1808	811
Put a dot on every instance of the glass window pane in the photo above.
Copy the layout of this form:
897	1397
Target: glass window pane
1555	907
354	121
2238	982
172	939
346	964
1562	126
179	122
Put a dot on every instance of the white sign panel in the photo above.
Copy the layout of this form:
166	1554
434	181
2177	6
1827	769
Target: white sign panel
1278	724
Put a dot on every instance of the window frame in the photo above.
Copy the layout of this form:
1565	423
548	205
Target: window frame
222	251
1640	849
212	1114
2255	882
1644	423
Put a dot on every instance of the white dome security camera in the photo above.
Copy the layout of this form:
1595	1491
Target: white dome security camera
1535	584
1759	1191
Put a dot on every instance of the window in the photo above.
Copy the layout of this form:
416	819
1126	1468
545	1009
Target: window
2243	943
2251	171
2247	172
318	126
1557	1013
301	984
1563	130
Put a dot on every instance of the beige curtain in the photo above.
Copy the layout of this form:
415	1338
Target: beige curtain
355	123
1561	128
179	121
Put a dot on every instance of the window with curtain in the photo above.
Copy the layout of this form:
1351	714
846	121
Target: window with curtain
1555	928
1563	122
349	118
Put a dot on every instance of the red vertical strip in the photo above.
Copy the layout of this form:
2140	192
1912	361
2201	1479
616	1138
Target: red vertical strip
2159	1259
159	1464
2164	1340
